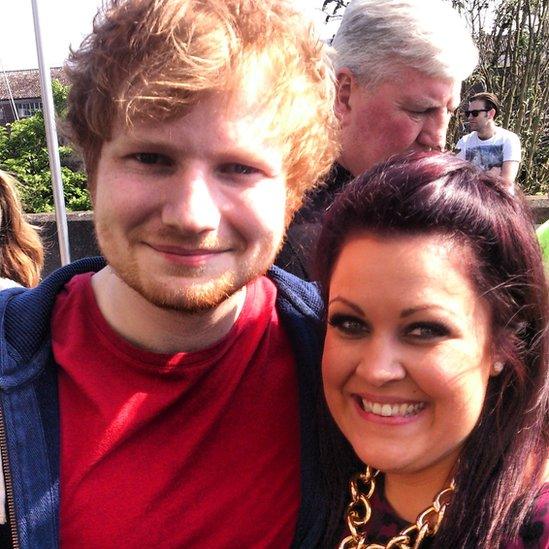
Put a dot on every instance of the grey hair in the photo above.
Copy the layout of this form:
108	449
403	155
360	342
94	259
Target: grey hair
377	38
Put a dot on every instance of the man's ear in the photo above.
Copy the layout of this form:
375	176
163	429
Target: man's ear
346	82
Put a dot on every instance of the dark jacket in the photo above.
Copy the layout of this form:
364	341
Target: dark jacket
29	407
297	254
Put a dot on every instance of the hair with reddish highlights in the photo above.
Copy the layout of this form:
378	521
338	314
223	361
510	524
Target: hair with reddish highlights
21	250
154	59
502	462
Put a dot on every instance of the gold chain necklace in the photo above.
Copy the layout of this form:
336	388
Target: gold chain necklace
359	511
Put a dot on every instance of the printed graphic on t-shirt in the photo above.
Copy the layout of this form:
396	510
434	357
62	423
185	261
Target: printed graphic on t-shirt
485	157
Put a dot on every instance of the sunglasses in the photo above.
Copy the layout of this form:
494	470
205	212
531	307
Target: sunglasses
475	112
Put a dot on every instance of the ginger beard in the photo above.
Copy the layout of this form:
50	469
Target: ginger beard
199	292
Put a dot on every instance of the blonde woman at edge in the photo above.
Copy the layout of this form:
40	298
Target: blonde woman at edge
21	250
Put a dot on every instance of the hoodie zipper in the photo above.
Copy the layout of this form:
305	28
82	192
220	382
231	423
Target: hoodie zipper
10	500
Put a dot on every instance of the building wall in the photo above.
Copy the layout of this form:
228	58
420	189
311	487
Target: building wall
24	86
24	107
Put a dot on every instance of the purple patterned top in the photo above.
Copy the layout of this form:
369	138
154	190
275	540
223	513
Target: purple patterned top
534	534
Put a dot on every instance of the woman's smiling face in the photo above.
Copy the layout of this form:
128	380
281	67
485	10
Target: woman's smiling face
407	353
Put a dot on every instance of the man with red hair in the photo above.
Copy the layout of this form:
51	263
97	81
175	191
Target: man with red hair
164	395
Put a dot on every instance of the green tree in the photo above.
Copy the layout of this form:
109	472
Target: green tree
24	153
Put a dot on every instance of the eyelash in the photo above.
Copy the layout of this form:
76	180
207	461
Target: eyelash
151	159
436	330
352	326
425	113
417	113
238	169
348	324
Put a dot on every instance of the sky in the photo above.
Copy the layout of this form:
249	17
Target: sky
64	23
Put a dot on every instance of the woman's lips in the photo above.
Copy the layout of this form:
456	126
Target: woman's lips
392	410
387	409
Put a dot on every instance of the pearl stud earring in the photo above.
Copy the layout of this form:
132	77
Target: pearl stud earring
498	367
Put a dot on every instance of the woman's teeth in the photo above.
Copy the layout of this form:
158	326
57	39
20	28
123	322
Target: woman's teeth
391	410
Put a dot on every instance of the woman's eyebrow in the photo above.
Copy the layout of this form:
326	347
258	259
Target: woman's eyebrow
350	304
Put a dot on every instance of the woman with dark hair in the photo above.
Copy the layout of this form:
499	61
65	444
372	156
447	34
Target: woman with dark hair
435	360
21	251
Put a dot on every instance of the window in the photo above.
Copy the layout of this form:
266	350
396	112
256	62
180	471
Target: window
28	108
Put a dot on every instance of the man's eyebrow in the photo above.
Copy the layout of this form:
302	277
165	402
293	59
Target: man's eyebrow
152	141
426	103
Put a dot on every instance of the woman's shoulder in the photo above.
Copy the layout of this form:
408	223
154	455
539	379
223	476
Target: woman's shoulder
534	533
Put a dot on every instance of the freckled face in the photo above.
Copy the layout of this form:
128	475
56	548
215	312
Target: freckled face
188	211
406	360
409	112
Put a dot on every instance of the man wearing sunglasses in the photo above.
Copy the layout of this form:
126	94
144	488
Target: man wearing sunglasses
489	146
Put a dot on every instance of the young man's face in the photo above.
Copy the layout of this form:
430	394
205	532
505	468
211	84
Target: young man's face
482	120
190	210
409	112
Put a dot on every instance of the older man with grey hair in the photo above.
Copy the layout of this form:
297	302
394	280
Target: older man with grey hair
399	65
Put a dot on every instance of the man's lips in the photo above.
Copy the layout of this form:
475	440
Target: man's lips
186	251
188	256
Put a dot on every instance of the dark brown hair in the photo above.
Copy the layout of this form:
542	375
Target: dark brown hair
502	462
490	101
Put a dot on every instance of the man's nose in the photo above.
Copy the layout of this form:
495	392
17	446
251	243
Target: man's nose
191	203
381	363
433	133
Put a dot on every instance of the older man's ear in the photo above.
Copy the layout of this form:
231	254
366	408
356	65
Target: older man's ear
346	83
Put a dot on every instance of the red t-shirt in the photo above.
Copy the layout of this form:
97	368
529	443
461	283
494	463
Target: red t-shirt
188	450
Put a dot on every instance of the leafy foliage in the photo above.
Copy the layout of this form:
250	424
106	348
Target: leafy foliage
24	153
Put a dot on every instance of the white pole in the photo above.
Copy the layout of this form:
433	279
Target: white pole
51	136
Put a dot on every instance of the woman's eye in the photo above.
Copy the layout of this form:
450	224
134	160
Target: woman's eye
348	325
152	159
427	330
